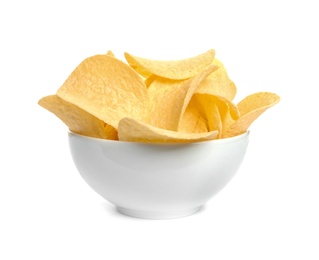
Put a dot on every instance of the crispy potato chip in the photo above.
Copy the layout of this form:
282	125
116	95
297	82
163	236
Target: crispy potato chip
256	101
227	117
132	130
208	108
107	88
251	108
174	69
192	120
169	98
218	89
78	120
218	111
218	83
226	106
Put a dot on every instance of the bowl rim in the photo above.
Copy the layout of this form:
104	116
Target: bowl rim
222	140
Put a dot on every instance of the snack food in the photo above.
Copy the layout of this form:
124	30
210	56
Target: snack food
136	131
144	100
171	69
78	120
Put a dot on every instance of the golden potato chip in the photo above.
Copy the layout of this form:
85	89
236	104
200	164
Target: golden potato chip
216	92
227	116
256	101
218	111
192	120
132	130
169	98
218	83
207	106
250	109
173	69
107	88
77	119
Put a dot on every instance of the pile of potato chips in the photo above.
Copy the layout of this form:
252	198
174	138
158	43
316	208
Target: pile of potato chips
145	100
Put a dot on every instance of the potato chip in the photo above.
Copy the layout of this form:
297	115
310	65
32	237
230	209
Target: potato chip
174	69
193	120
107	88
227	116
219	112
77	119
256	101
208	108
216	93
169	98
251	108
218	83
132	130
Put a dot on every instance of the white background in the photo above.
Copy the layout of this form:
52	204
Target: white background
268	211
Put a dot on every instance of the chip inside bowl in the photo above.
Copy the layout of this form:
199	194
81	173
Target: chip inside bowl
250	109
146	100
170	98
107	88
172	69
78	120
132	130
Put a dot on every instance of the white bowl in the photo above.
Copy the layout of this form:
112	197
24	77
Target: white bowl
157	181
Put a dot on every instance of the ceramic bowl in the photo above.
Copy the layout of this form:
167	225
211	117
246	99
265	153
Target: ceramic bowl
157	181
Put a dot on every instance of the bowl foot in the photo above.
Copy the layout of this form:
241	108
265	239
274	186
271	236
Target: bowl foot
158	214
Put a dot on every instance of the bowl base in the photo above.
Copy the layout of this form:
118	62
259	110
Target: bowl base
158	214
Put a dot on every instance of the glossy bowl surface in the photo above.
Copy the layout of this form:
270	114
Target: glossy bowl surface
157	181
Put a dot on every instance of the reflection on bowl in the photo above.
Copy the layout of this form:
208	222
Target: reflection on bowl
157	181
